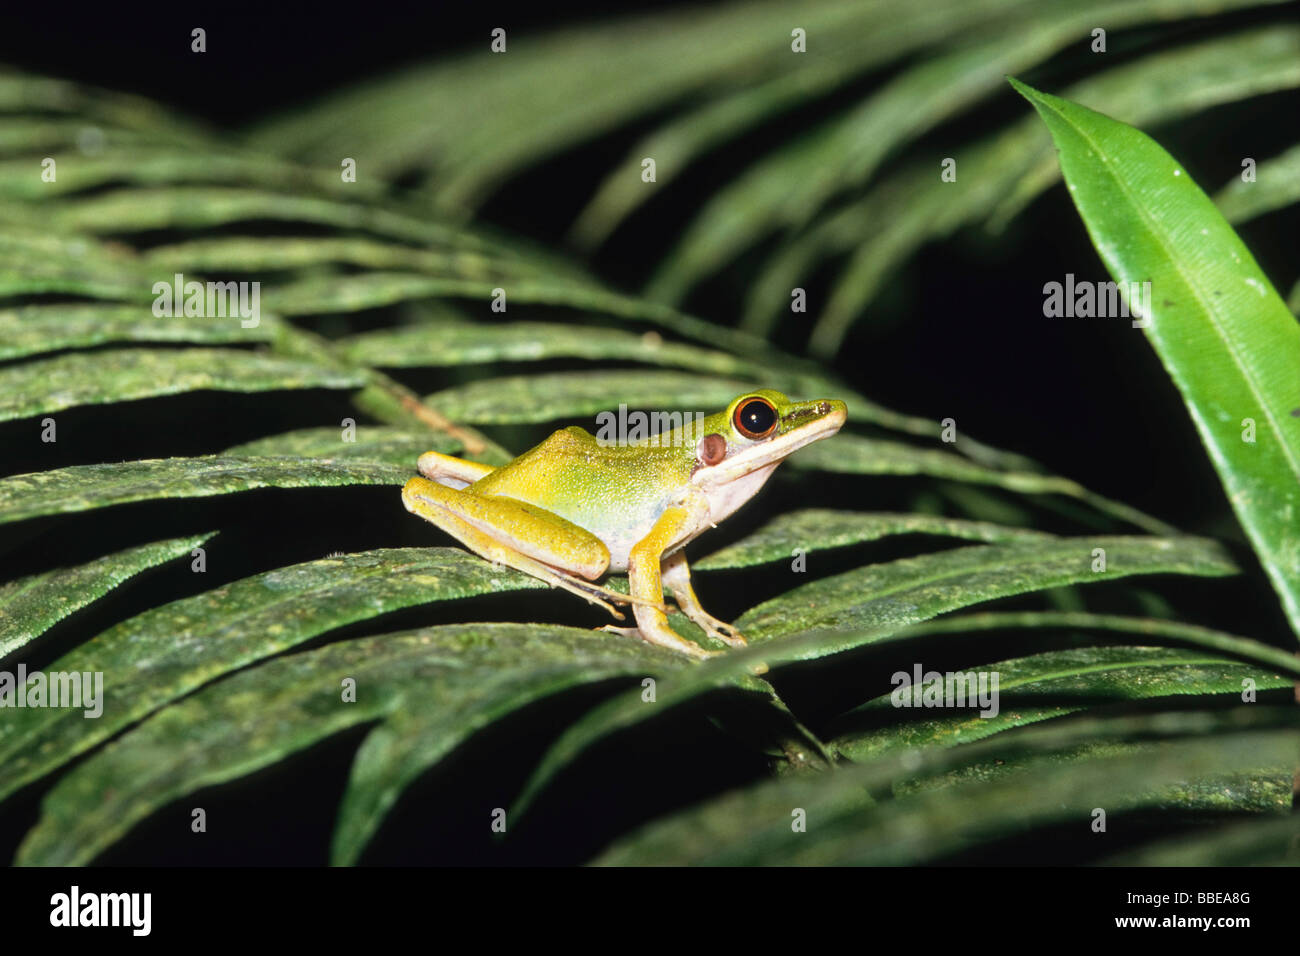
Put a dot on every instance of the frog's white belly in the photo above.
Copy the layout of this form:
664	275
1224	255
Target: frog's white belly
722	503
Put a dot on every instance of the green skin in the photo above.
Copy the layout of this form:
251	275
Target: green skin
573	508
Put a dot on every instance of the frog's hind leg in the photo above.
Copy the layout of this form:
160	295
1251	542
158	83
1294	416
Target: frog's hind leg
449	471
520	536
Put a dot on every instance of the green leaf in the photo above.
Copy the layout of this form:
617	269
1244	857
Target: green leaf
1001	174
1031	689
913	589
1265	788
33	329
845	827
432	688
383	444
32	605
1163	86
1225	337
36	262
876	603
46	135
886	34
1271	841
1150	630
455	343
553	91
520	664
853	454
161	655
20	92
83	487
445	340
150	165
136	209
363	291
260	255
116	375
1276	184
786	189
565	395
371	290
815	529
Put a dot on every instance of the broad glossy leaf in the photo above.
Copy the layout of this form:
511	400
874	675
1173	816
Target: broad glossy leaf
117	375
31	605
83	487
164	653
1225	337
433	689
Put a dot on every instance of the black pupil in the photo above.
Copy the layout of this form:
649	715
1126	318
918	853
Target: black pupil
757	417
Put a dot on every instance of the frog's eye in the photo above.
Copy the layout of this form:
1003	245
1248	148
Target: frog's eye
755	418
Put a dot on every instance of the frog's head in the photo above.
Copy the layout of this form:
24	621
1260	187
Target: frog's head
757	431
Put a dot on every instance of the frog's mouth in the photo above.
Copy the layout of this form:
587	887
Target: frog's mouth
825	419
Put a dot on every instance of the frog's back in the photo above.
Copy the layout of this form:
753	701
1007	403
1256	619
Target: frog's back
616	492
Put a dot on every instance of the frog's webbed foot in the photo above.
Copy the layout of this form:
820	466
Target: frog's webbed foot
716	629
677	575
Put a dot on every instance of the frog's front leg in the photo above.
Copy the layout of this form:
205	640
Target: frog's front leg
677	523
521	536
677	575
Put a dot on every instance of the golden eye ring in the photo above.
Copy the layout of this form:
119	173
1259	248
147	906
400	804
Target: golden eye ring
755	418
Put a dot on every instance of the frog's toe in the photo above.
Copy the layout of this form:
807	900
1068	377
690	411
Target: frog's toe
722	631
625	631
